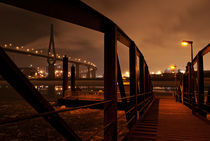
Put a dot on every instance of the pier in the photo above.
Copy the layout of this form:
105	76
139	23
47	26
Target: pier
130	102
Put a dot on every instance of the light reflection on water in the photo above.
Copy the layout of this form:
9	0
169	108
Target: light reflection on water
51	92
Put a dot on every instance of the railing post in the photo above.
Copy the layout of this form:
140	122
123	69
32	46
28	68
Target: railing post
146	80
189	80
88	72
208	96
144	76
51	71
150	84
77	71
183	88
110	82
93	73
133	79
200	76
72	79
65	74
141	69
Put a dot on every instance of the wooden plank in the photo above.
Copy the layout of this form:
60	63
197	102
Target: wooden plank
200	77
72	78
169	120
86	16
141	68
110	83
146	128
65	75
64	10
133	81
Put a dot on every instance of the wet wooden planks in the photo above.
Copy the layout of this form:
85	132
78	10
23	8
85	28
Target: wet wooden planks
168	120
177	123
145	129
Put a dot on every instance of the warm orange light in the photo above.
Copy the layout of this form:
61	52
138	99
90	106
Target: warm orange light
172	67
184	43
127	74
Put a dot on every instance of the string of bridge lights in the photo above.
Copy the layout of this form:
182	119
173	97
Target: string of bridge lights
32	50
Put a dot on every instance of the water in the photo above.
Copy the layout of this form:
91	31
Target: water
12	105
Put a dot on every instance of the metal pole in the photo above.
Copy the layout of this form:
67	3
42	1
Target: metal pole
88	72
133	81
65	74
175	83
191	43
200	77
77	71
72	78
192	74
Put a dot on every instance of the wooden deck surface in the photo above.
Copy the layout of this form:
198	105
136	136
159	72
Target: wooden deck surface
168	120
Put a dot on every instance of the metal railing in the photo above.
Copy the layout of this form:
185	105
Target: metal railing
141	95
191	89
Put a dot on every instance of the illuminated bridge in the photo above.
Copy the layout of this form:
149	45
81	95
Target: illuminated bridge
148	117
91	67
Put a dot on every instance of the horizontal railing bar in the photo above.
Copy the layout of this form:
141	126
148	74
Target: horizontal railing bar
143	101
134	116
134	95
204	51
132	108
64	110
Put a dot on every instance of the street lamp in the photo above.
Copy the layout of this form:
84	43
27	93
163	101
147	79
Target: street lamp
173	67
185	43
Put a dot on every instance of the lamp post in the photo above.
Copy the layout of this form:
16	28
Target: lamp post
185	43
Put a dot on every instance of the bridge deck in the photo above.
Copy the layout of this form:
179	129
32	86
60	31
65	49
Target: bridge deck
170	120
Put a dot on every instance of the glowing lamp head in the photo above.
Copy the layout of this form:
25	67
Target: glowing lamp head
184	43
172	67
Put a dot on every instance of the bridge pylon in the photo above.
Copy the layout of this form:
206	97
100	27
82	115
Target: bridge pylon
51	55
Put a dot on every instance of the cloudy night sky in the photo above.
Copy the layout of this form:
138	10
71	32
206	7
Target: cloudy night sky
156	26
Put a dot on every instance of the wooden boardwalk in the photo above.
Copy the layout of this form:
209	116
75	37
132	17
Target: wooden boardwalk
168	120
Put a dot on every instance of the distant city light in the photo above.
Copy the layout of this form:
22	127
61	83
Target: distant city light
127	74
41	71
182	71
158	72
